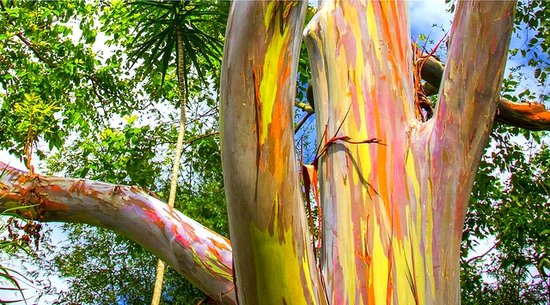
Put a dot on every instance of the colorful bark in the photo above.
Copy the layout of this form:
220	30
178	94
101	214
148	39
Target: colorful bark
528	115
461	125
393	213
202	256
274	262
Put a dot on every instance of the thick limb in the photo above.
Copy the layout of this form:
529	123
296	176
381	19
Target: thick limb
199	254
528	115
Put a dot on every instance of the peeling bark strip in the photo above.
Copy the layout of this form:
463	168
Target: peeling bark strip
274	261
393	215
199	254
530	115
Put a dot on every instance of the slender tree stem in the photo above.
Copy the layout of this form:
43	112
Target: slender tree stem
157	292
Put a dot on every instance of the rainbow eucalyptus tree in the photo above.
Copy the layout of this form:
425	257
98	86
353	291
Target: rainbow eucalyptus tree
394	184
394	188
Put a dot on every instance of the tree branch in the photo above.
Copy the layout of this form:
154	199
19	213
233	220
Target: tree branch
304	106
26	41
531	115
471	259
307	107
197	138
35	50
302	121
199	254
95	89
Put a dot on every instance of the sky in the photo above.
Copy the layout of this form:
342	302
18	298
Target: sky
429	17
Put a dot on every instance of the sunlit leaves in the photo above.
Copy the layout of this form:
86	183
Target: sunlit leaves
510	206
46	55
118	155
33	117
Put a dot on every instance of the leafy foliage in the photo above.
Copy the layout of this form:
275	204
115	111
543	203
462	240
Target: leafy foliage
53	75
104	268
510	203
10	245
533	28
104	122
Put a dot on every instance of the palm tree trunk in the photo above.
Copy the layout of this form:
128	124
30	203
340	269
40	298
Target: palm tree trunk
179	147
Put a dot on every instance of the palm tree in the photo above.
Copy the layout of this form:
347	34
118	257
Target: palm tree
192	31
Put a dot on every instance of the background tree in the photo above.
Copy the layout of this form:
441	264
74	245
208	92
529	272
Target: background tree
175	26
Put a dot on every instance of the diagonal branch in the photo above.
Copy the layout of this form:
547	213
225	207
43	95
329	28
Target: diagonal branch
35	50
529	115
199	254
26	41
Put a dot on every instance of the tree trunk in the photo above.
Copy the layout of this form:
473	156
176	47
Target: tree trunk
274	262
394	213
157	289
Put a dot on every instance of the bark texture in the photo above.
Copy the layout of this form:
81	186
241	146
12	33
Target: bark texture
274	261
199	254
530	115
393	213
394	190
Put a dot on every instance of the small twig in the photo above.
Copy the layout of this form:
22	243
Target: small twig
432	52
96	91
317	151
302	121
320	151
482	255
189	142
202	115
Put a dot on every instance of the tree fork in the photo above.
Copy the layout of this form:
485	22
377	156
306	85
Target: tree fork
527	115
393	214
